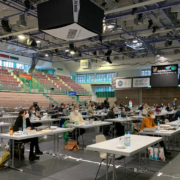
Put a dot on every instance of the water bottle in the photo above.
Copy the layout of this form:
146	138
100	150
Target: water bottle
140	113
128	139
119	114
87	122
178	123
158	126
125	139
24	126
32	117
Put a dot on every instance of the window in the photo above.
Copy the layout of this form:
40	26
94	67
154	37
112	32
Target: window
146	73
104	89
105	77
81	78
90	78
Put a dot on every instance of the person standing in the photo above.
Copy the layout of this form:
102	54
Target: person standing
106	103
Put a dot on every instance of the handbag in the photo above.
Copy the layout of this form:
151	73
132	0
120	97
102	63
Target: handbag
4	158
71	146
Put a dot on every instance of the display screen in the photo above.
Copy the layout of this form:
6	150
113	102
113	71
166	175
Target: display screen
164	76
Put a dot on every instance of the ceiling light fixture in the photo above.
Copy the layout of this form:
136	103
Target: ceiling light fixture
135	41
110	26
66	50
72	49
22	37
38	41
46	55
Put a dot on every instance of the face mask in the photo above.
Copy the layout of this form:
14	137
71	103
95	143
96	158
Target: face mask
27	116
153	116
33	112
76	111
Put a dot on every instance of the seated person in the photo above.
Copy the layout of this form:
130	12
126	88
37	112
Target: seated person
158	109
124	113
148	122
75	116
115	107
99	107
135	129
145	110
141	107
61	108
66	111
162	105
37	108
32	112
111	114
176	115
127	108
90	110
121	105
24	116
168	108
56	108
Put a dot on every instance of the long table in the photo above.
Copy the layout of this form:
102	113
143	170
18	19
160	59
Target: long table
38	134
138	144
87	127
163	133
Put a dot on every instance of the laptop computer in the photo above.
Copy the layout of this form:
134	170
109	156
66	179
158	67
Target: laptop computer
149	129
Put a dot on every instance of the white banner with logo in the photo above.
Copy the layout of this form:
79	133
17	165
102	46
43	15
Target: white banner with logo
141	82
123	83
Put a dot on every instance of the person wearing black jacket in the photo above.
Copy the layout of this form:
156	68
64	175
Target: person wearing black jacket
37	108
32	111
176	115
106	103
99	107
23	115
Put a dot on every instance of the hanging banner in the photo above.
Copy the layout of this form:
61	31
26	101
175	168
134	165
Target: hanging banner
119	83
141	82
25	76
71	93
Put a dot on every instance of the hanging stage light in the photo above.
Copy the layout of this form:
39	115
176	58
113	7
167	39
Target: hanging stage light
72	49
134	10
108	53
5	25
109	60
31	42
150	24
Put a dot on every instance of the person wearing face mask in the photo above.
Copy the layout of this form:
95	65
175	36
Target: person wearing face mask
90	110
66	111
123	113
148	122
32	112
75	116
61	108
24	116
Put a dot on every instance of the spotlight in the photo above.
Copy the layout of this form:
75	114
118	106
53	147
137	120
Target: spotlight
5	25
110	26
108	53
22	37
134	10
109	60
154	29
31	42
72	49
67	50
157	55
46	55
150	24
27	4
38	42
135	41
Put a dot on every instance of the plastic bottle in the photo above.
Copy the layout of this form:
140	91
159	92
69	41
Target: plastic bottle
158	126
125	139
128	139
87	122
24	126
32	117
140	113
119	114
11	130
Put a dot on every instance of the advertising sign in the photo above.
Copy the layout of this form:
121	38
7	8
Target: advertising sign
25	76
123	83
141	82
